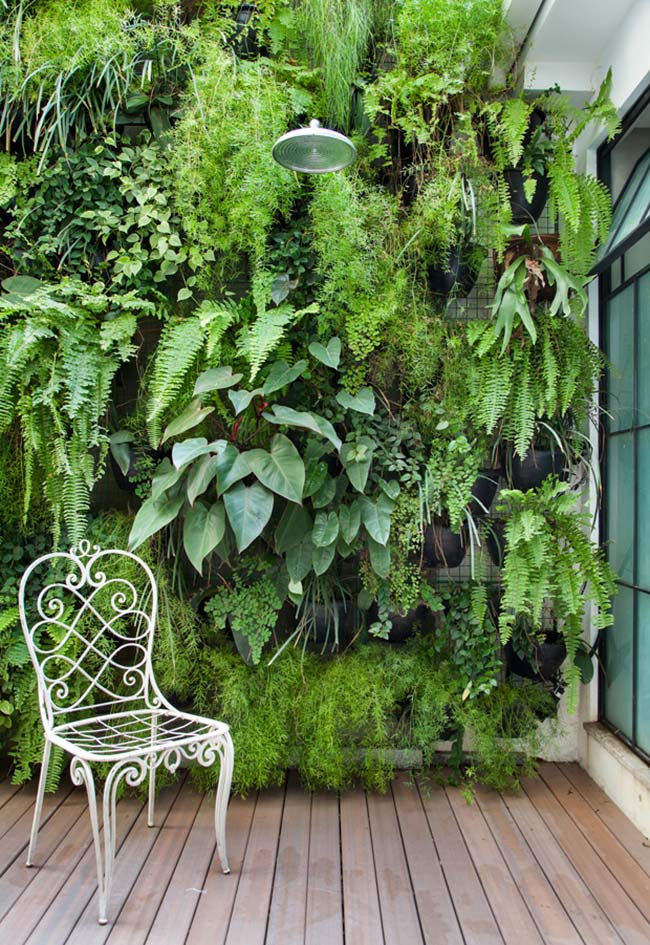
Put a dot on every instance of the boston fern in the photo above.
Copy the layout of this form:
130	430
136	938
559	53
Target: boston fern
549	556
59	350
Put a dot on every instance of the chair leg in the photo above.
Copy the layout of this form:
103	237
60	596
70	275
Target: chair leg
223	796
81	773
152	797
39	802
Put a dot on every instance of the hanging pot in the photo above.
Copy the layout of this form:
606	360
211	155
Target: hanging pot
523	210
403	626
459	274
244	41
536	465
546	662
484	491
442	547
495	541
323	626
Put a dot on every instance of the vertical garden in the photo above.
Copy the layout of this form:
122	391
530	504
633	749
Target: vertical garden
345	416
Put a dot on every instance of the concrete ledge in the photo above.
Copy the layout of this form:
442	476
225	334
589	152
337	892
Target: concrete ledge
619	772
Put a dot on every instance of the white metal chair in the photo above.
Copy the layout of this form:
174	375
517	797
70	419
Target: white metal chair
102	704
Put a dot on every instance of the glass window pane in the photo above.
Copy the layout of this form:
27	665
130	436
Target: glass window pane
643	510
619	473
620	351
637	257
618	663
615	273
643	672
643	343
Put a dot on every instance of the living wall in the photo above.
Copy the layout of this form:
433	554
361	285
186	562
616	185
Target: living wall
311	449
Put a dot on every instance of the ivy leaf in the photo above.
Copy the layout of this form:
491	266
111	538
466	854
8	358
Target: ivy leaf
363	401
249	509
350	521
231	467
376	518
216	379
242	398
153	515
326	529
193	414
281	374
322	558
330	356
203	529
281	470
200	476
293	526
305	420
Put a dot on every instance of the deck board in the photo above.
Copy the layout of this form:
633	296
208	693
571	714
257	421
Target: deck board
555	864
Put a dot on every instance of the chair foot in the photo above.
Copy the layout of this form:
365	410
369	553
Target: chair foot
29	864
226	870
102	921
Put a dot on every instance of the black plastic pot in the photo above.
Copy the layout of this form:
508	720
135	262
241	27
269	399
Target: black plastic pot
322	629
460	273
484	491
536	465
244	41
495	541
403	625
548	658
525	211
442	547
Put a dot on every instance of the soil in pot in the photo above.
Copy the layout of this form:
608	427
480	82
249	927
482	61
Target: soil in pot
442	547
536	465
458	274
523	210
484	491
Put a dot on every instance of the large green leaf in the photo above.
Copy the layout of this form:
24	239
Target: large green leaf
330	355
325	494
188	450
299	560
231	467
281	470
249	509
376	518
216	379
322	558
203	529
326	529
193	414
295	523
357	470
315	476
305	420
379	558
200	476
363	401
350	521
164	478
153	515
281	374
242	398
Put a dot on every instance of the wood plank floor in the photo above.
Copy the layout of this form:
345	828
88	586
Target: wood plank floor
557	864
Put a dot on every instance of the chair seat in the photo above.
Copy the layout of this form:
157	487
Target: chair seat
120	735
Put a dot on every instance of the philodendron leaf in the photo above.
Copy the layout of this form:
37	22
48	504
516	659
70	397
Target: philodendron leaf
190	449
231	467
390	487
329	355
379	558
295	523
200	477
281	374
203	529
350	522
281	470
376	518
164	478
305	420
153	515
193	414
363	401
325	494
249	509
326	529
315	476
299	559
121	449
242	398
357	470
216	379
322	558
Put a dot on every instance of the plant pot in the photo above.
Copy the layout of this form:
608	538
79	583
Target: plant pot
442	547
244	41
459	274
322	630
523	210
532	249
536	465
548	658
495	541
402	625
242	644
484	491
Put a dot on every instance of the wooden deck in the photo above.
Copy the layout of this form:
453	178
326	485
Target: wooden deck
556	864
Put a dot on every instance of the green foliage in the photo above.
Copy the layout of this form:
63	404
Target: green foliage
250	603
451	471
106	210
468	638
59	350
549	555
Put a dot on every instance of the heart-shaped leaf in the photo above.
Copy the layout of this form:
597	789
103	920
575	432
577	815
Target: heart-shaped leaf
293	526
164	478
242	398
322	558
281	470
203	529
281	374
315	476
326	529
330	356
325	494
249	509
200	476
357	470
363	401
216	379
231	467
190	449
298	559
305	420
379	558
350	521
153	515
193	414
376	518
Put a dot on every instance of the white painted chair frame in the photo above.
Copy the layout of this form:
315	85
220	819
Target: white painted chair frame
132	727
